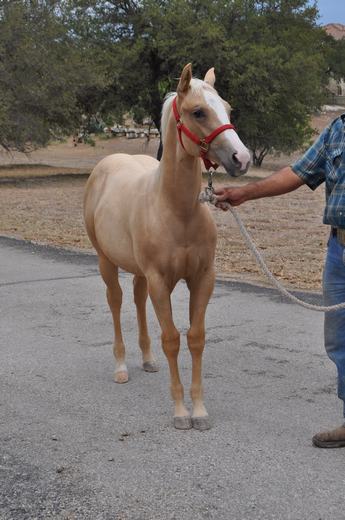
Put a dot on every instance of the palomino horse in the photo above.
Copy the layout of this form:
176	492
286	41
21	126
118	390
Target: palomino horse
145	217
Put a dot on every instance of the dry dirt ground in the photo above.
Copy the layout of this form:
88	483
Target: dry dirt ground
288	229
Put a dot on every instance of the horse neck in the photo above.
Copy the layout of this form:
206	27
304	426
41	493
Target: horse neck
180	175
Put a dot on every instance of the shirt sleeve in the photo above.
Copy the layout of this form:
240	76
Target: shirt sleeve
311	167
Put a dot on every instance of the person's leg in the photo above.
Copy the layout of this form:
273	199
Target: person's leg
334	293
334	329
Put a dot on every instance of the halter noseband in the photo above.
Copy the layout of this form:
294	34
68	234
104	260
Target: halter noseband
204	143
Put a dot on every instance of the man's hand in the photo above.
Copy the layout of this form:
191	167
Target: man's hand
233	196
278	183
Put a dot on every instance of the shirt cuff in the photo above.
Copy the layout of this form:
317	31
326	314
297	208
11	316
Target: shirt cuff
312	180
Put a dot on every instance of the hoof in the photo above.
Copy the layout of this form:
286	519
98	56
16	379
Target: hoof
201	423
121	377
183	423
150	366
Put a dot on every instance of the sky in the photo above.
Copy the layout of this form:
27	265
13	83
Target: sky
331	11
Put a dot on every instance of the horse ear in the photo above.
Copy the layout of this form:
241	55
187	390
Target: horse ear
210	77
185	78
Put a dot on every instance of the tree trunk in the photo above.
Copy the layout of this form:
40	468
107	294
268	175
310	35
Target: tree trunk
258	156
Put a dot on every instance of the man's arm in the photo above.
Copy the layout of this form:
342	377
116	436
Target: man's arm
278	183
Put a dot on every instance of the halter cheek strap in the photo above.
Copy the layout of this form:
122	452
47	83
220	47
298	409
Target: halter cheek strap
203	143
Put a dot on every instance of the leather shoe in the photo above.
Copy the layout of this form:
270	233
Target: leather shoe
330	439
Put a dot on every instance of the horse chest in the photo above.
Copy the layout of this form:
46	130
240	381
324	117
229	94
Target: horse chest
184	261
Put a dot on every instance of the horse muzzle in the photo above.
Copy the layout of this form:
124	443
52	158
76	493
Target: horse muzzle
237	164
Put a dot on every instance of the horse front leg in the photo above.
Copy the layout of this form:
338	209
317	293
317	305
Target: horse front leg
160	297
201	288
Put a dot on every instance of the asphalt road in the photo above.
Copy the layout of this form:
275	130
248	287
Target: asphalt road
74	445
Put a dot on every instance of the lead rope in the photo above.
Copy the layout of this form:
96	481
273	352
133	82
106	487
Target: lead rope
208	196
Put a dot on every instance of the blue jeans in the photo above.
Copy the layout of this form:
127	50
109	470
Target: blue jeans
334	292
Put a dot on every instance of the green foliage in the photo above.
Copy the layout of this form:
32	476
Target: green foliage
335	55
40	74
89	140
270	59
60	60
149	42
279	76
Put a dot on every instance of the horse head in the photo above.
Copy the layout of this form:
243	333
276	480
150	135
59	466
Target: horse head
203	123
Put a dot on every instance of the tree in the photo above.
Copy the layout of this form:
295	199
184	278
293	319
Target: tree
279	75
146	44
40	74
60	59
270	59
335	57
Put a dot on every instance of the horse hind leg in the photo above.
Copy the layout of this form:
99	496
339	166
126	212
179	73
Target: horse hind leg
140	297
109	273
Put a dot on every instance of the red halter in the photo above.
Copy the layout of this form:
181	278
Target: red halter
204	142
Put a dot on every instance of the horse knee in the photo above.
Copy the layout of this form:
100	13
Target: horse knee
171	343
196	341
114	296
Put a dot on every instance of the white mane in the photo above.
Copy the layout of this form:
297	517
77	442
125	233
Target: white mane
165	113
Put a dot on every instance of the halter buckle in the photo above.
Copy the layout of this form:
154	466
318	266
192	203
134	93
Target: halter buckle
204	146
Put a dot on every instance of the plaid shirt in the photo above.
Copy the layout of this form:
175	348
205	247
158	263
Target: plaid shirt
325	161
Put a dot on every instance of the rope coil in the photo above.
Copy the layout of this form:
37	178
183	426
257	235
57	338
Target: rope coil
208	196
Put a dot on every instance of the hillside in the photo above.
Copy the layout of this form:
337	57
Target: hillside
337	30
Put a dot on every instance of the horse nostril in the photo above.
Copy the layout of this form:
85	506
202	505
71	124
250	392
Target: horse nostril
236	161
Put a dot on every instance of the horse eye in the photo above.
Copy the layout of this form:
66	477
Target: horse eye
198	114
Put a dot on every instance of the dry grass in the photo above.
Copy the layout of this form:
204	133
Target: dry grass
47	211
28	171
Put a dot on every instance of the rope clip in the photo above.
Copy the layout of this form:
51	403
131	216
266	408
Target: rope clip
210	180
208	194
